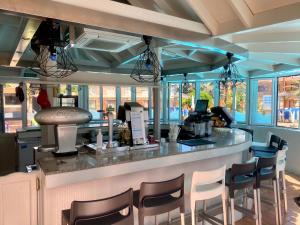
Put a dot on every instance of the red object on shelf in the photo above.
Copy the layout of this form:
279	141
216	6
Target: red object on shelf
43	100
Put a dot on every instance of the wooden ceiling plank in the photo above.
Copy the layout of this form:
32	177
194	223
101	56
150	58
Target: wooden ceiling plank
203	13
243	12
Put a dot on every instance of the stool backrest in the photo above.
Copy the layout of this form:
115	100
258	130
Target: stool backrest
268	137
282	144
274	141
281	159
97	209
245	169
152	190
265	169
208	177
241	176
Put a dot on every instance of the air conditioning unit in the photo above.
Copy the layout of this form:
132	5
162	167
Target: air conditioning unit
105	41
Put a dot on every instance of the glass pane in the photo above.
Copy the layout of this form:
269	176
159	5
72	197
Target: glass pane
288	101
125	95
94	101
174	109
109	98
74	90
226	96
12	108
142	96
188	101
263	105
240	101
63	89
32	106
207	92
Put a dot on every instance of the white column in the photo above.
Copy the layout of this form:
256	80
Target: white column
156	102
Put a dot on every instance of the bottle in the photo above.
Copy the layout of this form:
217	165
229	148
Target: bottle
99	140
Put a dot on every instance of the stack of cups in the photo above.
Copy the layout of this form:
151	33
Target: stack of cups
173	132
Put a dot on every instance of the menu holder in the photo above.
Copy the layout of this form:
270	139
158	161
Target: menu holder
138	128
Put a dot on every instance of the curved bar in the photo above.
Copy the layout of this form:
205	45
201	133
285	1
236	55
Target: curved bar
87	166
93	176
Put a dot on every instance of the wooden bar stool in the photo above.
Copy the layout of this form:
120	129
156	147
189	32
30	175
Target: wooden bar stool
208	185
102	211
156	198
241	177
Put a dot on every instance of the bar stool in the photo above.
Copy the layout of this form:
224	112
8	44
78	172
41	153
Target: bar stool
266	170
102	211
156	198
241	177
208	185
280	170
267	141
271	147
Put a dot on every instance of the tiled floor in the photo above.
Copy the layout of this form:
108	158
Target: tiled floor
268	213
293	214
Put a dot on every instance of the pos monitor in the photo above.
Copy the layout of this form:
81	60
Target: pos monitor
201	106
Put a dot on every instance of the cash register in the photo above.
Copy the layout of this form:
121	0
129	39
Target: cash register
195	125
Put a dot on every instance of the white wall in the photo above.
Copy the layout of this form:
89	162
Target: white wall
291	136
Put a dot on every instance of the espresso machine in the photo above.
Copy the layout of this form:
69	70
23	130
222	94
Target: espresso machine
65	121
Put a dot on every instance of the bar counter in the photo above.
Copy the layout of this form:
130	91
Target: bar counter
88	176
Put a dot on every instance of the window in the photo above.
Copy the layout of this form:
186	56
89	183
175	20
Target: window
174	108
142	96
207	92
12	108
63	89
261	105
74	90
109	97
240	101
188	101
226	96
94	101
32	106
125	95
288	101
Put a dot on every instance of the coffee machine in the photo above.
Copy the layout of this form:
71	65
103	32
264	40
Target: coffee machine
65	121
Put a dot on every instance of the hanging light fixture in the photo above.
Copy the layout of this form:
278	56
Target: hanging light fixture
230	73
53	58
147	68
186	87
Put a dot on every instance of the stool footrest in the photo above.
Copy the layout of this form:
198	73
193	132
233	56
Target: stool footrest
264	200
248	212
211	219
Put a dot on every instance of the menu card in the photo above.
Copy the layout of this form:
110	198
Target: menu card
138	127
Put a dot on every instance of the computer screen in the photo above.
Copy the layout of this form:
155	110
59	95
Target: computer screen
201	106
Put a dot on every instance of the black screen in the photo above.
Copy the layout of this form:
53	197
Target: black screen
201	106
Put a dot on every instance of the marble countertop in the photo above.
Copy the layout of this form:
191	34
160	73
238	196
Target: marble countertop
224	139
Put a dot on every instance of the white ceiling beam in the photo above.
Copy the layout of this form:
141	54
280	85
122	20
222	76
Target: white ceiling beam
136	13
277	69
203	13
275	58
194	57
30	28
156	24
242	10
290	47
249	38
248	64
